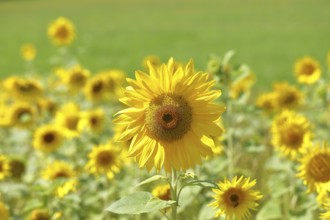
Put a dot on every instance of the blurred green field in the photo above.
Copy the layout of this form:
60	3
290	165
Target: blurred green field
267	35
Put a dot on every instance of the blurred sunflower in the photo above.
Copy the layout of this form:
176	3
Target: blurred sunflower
314	168
47	105
287	96
4	167
75	78
28	52
235	198
39	214
291	133
48	138
61	32
242	85
105	159
96	88
115	80
68	117
4	212
92	120
22	115
17	168
267	101
170	117
307	70
23	89
162	192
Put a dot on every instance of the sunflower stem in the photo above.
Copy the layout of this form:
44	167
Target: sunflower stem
174	190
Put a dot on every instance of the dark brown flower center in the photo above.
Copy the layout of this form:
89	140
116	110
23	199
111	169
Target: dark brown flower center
319	167
78	79
293	137
104	158
168	118
61	174
308	69
62	32
97	87
49	137
234	197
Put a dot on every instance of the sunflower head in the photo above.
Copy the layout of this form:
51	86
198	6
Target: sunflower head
22	115
68	117
115	79
48	138
23	89
267	101
58	170
92	120
17	168
28	52
61	32
105	159
242	85
96	88
291	133
4	167
4	212
171	117
287	96
39	214
236	198
314	168
162	192
74	78
307	70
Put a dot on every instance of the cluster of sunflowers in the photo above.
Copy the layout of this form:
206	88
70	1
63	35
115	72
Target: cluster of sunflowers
77	145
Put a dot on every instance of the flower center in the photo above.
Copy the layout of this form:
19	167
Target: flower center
308	69
97	87
168	118
293	137
104	158
49	137
319	167
72	122
62	32
78	79
234	197
61	174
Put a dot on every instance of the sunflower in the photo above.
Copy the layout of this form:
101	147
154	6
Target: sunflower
314	168
115	79
307	70
267	101
241	85
21	115
287	96
61	32
75	78
47	105
68	117
4	167
28	52
23	89
39	214
17	168
326	214
291	133
96	88
4	212
171	117
66	188
162	192
236	198
105	159
48	138
92	120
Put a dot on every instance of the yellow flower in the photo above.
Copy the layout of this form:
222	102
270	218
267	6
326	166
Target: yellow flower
4	213
307	70
75	78
115	80
61	32
326	214
287	96
314	168
105	159
162	192
4	167
267	101
47	105
28	52
241	85
66	188
39	214
153	59
17	168
236	199
68	118
48	138
96	88
23	89
171	117
22	115
92	120
291	133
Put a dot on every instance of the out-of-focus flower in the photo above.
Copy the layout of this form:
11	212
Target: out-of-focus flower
4	212
48	138
61	32
162	192
307	70
28	52
96	88
23	89
242	85
267	101
287	96
74	78
39	214
4	167
92	121
68	117
22	115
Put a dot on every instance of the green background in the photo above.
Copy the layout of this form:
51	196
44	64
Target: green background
268	35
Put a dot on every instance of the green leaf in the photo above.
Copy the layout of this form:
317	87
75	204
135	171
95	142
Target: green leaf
271	210
152	179
137	203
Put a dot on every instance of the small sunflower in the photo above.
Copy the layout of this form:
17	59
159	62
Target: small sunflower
61	32
39	214
28	52
171	116
105	159
235	198
162	192
22	115
115	80
23	89
96	88
267	101
287	96
4	212
17	168
4	167
47	105
48	138
92	120
314	168
307	70
68	117
291	133
75	78
242	85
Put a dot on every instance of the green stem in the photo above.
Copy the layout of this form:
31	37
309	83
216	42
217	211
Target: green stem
174	189
231	150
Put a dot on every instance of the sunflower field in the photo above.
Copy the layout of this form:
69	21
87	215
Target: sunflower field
199	139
